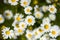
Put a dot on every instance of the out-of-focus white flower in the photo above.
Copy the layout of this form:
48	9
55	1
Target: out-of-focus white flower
13	2
8	14
48	1
44	8
1	19
30	20
54	31
52	9
7	33
28	10
38	14
25	3
52	17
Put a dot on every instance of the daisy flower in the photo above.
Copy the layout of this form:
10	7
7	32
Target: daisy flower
29	35
52	17
54	31
25	3
23	25
30	20
44	8
46	20
18	17
36	8
38	15
46	26
8	14
1	19
52	9
13	2
18	31
7	33
28	10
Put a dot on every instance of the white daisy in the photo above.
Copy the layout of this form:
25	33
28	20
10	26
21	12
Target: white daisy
7	33
8	14
13	2
23	25
25	3
1	19
30	20
46	26
44	8
18	17
46	20
52	17
29	35
52	9
28	10
38	15
36	8
18	31
54	31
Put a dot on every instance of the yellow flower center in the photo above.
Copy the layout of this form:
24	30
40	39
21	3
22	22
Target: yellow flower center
51	9
1	18
13	0
29	35
53	32
36	33
38	15
18	18
29	20
7	14
17	25
28	10
23	25
7	32
46	26
40	30
25	3
19	30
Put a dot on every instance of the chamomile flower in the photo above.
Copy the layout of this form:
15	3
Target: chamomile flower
8	14
44	8
52	9
7	33
13	2
46	26
28	10
52	17
29	35
36	8
18	17
25	3
30	20
38	15
54	31
18	31
22	25
46	20
1	19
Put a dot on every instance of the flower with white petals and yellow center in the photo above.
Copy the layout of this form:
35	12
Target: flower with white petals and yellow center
30	20
54	31
1	19
18	17
25	3
22	25
38	15
8	14
28	10
7	33
13	2
46	26
52	9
